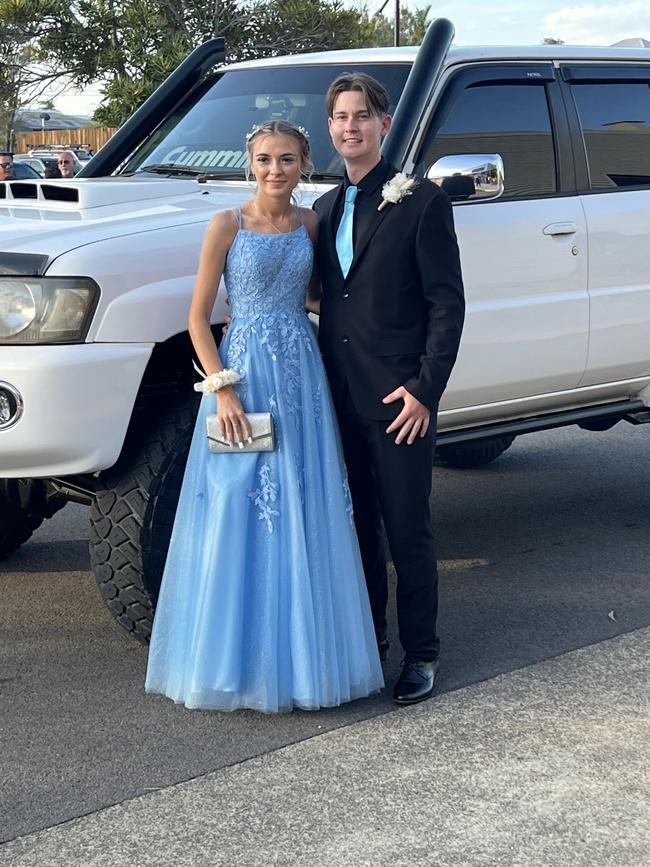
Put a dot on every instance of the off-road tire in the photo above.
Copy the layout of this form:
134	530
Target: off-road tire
16	526
464	456
132	516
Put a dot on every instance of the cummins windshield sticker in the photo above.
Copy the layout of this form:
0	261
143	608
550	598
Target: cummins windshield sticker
206	159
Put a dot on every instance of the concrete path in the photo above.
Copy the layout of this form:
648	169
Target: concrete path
548	765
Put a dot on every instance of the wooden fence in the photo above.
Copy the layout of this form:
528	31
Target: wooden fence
90	136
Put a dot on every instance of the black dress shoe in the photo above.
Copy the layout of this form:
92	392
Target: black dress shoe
382	646
416	682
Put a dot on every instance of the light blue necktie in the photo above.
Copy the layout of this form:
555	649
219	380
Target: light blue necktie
344	247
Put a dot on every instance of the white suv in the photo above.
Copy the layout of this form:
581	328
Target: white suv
545	152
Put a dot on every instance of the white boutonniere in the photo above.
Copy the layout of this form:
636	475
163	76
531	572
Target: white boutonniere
396	188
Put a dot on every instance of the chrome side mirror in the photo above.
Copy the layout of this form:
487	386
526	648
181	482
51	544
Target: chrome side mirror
469	177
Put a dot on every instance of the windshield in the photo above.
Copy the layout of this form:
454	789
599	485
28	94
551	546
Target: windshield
209	133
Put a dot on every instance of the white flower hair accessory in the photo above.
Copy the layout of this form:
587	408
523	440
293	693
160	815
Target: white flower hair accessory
256	128
396	188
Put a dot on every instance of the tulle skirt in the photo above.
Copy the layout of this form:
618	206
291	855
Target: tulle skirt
263	602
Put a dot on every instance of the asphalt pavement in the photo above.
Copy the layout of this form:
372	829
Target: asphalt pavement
548	765
542	553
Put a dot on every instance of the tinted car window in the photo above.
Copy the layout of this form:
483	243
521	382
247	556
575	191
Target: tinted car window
210	132
24	172
615	120
507	119
33	163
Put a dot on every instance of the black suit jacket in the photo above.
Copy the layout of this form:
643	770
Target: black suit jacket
397	317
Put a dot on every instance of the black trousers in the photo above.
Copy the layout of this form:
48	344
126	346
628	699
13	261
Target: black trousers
393	482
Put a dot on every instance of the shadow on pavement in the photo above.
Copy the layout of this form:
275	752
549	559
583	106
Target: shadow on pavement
37	557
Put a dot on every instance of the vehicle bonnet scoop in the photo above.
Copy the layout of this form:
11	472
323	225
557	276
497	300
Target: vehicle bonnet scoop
81	194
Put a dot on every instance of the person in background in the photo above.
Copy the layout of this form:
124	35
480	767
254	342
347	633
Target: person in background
7	166
66	164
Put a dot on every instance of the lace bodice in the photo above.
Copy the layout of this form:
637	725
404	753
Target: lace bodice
268	274
266	278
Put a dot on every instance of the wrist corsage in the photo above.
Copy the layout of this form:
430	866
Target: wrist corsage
217	380
396	188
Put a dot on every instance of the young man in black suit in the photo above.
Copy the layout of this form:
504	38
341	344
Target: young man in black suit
391	316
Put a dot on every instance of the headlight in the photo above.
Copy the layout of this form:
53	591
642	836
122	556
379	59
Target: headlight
46	309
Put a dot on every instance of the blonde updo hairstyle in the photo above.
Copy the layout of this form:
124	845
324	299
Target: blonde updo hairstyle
280	127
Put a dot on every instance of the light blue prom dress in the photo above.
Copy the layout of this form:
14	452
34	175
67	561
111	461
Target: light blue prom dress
263	602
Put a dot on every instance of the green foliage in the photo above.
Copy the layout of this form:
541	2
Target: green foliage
132	45
152	38
413	26
24	72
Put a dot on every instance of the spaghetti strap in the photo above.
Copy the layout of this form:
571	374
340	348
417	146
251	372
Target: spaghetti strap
237	217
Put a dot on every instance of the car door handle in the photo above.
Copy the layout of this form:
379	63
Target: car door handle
560	229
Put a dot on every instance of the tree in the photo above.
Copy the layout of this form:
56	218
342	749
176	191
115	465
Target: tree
130	46
413	26
298	26
23	77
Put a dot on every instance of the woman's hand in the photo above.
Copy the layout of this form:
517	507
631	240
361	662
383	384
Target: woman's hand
235	427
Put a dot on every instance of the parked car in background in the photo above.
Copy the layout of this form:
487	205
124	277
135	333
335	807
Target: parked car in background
82	154
39	164
25	170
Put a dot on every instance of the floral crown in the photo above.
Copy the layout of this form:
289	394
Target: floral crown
256	128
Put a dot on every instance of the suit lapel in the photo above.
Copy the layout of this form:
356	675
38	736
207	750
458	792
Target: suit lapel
359	248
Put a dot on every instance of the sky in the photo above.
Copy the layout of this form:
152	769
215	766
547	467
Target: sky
480	22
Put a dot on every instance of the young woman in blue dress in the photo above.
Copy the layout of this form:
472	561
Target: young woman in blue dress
263	603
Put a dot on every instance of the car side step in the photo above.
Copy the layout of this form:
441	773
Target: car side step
634	411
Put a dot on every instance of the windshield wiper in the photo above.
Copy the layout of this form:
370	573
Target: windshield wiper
326	177
220	176
170	168
201	175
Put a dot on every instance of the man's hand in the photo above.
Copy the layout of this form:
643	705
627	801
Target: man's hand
412	420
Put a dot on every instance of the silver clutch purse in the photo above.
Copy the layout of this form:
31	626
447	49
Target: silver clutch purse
263	435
